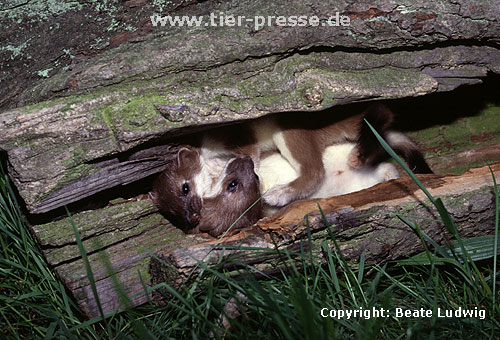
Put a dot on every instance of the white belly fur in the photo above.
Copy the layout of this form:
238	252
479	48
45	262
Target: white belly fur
339	177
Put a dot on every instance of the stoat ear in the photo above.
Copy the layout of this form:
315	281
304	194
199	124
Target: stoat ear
187	156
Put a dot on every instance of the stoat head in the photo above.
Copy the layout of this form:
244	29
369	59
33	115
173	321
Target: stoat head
236	190
175	193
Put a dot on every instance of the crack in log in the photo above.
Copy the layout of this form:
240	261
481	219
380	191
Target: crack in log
409	48
102	248
110	173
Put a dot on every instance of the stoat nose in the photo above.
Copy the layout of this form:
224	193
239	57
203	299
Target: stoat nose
194	218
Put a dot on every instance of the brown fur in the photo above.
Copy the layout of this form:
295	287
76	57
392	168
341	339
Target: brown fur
240	189
182	209
305	139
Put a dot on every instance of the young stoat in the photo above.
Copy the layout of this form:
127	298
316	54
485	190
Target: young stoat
298	138
233	200
178	191
340	178
227	186
227	204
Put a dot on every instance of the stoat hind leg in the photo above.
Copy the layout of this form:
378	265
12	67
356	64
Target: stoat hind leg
302	154
386	171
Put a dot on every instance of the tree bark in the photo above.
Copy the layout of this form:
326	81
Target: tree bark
128	232
98	106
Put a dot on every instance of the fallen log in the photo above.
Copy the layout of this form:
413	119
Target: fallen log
74	120
363	223
64	119
127	232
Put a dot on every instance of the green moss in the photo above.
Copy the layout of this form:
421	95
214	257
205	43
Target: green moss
25	139
138	112
90	222
105	114
488	121
78	156
328	98
143	268
70	176
464	133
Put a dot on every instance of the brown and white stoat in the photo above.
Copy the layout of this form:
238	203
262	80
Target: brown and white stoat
229	204
193	177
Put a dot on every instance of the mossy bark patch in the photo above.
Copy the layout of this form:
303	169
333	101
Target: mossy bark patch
464	143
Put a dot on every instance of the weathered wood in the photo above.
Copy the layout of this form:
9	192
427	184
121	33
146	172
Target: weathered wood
108	174
76	30
364	223
152	86
132	48
126	233
80	108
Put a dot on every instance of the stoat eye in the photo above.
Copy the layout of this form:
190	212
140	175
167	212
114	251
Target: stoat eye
185	189
233	185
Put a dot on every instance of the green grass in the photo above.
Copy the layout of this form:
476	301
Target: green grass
285	305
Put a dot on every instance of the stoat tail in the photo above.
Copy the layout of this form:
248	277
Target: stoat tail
407	148
371	152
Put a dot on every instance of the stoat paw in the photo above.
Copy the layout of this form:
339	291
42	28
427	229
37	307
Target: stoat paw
389	171
279	195
354	160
